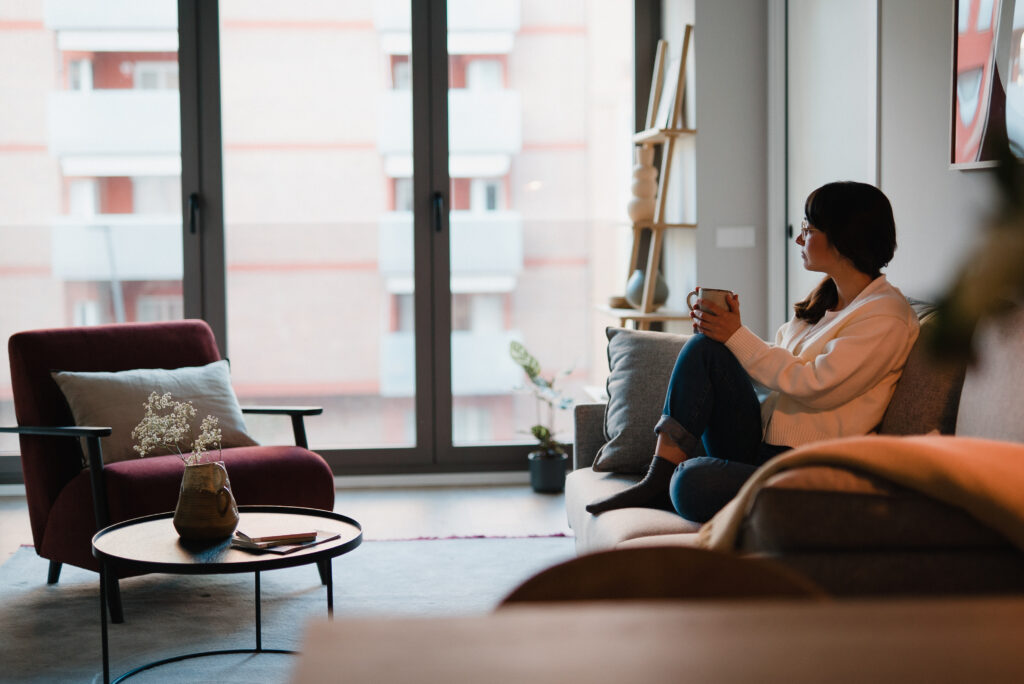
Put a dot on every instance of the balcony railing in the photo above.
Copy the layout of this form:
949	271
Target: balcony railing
115	247
483	367
481	122
482	243
114	122
122	15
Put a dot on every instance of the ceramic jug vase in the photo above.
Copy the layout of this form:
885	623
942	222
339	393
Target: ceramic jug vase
206	509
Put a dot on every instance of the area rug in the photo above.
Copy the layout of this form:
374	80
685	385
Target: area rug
52	633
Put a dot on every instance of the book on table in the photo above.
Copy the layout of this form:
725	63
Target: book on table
282	543
283	537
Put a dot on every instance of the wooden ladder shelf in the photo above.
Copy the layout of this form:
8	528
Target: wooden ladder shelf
671	131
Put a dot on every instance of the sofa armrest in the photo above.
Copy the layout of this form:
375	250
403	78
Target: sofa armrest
832	509
588	420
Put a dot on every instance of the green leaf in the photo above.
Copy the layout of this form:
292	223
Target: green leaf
525	359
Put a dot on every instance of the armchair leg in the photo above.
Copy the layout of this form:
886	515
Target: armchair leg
54	573
114	599
324	567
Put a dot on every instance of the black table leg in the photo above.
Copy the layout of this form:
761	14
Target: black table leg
103	623
329	581
259	627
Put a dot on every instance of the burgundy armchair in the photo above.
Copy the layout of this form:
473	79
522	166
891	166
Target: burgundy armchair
69	503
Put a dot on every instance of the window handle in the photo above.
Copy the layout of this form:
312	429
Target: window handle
193	213
438	212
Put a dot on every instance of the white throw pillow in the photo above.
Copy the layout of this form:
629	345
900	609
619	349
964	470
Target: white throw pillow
117	399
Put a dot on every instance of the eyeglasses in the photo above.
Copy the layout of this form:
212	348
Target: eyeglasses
806	229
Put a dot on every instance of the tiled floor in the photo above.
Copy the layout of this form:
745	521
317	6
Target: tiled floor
390	513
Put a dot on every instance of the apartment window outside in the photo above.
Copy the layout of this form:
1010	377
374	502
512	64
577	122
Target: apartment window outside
484	74
485	194
401	73
86	312
158	308
160	195
539	129
403	194
90	103
155	75
80	74
83	197
318	223
318	197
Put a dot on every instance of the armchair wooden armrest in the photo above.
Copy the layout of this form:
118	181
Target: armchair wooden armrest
296	412
95	455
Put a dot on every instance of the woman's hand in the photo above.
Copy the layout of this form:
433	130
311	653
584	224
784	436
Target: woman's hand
717	323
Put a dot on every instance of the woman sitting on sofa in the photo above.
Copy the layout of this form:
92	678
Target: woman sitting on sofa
831	371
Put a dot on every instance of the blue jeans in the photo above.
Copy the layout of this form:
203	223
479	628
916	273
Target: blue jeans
711	407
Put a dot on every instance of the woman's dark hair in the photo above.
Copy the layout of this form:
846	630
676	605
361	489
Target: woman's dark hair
857	220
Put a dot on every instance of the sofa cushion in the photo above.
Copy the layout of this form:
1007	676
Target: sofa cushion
639	364
928	393
116	400
610	529
831	509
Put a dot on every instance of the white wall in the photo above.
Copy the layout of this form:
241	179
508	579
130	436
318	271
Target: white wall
832	96
937	209
731	58
680	251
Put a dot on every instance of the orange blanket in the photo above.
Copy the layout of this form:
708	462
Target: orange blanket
983	477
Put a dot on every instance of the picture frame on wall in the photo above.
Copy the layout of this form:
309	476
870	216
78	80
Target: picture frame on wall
987	103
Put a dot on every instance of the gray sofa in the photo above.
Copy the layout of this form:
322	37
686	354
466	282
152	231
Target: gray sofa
852	533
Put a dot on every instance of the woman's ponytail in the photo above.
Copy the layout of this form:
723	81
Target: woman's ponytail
821	299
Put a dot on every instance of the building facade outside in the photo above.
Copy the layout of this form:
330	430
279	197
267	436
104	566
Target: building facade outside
317	134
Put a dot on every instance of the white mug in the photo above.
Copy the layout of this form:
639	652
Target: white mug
711	295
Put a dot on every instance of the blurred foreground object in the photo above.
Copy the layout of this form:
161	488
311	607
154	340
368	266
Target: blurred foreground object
991	282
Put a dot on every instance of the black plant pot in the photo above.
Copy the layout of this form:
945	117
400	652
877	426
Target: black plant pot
547	472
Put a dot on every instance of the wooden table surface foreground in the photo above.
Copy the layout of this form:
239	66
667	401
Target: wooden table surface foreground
948	640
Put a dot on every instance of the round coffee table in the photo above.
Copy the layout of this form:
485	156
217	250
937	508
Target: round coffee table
151	544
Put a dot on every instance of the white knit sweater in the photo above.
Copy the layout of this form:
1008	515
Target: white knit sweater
834	378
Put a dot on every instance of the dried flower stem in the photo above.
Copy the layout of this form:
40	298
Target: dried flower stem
166	425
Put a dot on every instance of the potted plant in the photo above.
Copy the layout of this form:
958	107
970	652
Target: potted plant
548	460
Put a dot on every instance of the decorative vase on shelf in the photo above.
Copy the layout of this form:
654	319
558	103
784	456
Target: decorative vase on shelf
645	186
635	289
206	509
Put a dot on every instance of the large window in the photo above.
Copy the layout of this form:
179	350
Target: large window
319	206
379	251
90	226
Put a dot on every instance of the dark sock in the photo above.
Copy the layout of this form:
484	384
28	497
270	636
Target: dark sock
650	492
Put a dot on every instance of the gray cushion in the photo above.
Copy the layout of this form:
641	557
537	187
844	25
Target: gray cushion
928	393
116	400
639	364
612	528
